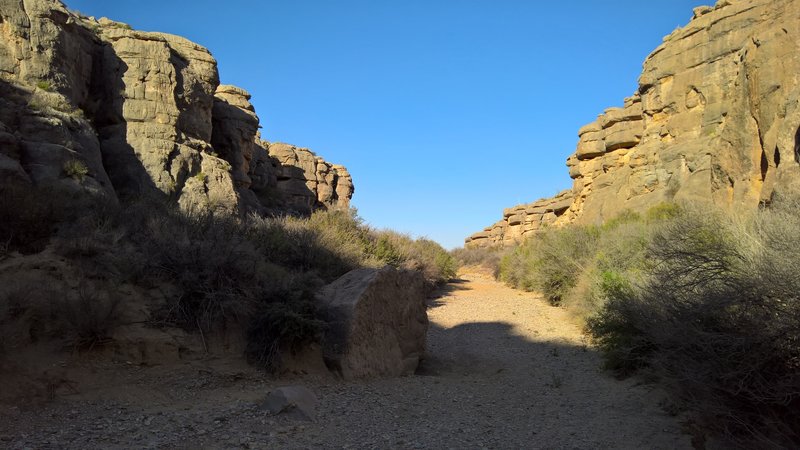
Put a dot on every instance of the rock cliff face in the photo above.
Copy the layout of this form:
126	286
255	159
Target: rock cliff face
94	105
715	118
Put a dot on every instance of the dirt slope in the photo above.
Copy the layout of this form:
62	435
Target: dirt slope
505	371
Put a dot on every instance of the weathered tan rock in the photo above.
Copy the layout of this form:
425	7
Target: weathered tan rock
307	182
46	59
377	322
235	126
144	113
716	119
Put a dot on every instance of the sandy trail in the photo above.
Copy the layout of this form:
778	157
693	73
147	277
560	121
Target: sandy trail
505	370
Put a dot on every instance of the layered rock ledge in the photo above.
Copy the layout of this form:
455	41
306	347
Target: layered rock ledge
716	118
94	105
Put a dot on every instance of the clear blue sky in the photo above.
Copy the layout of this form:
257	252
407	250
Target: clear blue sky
444	111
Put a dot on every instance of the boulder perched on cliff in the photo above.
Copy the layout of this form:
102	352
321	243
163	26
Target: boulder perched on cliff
716	119
377	322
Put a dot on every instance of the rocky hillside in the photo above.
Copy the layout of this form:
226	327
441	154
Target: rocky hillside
93	105
715	118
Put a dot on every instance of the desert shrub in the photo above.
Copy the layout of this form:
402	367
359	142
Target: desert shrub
424	255
213	265
255	274
434	261
717	319
76	169
484	257
550	261
50	101
24	314
44	85
618	257
33	309
386	249
342	241
280	327
572	265
89	316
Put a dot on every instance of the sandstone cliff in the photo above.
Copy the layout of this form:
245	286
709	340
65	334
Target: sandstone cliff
94	105
715	118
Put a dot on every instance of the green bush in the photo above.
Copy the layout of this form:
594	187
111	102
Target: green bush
570	265
45	86
76	169
550	262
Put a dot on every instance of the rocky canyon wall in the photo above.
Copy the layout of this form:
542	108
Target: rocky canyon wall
716	118
93	105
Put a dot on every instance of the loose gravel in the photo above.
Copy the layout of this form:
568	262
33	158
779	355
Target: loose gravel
504	370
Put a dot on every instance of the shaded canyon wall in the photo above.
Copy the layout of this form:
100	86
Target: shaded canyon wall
93	105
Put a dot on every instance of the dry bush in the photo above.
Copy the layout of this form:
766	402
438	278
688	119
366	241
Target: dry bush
281	327
421	254
214	266
90	315
717	318
34	309
484	257
617	258
255	274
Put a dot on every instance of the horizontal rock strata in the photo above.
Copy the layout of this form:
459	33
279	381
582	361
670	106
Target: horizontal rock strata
716	119
94	105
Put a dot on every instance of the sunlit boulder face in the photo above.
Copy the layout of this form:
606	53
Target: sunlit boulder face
716	119
95	105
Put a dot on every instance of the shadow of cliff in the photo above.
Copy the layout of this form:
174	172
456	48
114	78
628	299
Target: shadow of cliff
488	348
551	378
436	299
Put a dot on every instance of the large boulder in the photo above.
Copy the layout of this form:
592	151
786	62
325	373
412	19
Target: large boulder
377	322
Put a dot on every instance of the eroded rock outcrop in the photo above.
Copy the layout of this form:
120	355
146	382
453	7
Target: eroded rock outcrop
716	118
377	322
46	62
96	105
308	181
522	220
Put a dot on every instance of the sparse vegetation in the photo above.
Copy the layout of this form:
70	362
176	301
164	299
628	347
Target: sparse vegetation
704	302
49	101
488	258
76	169
45	86
717	318
258	275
